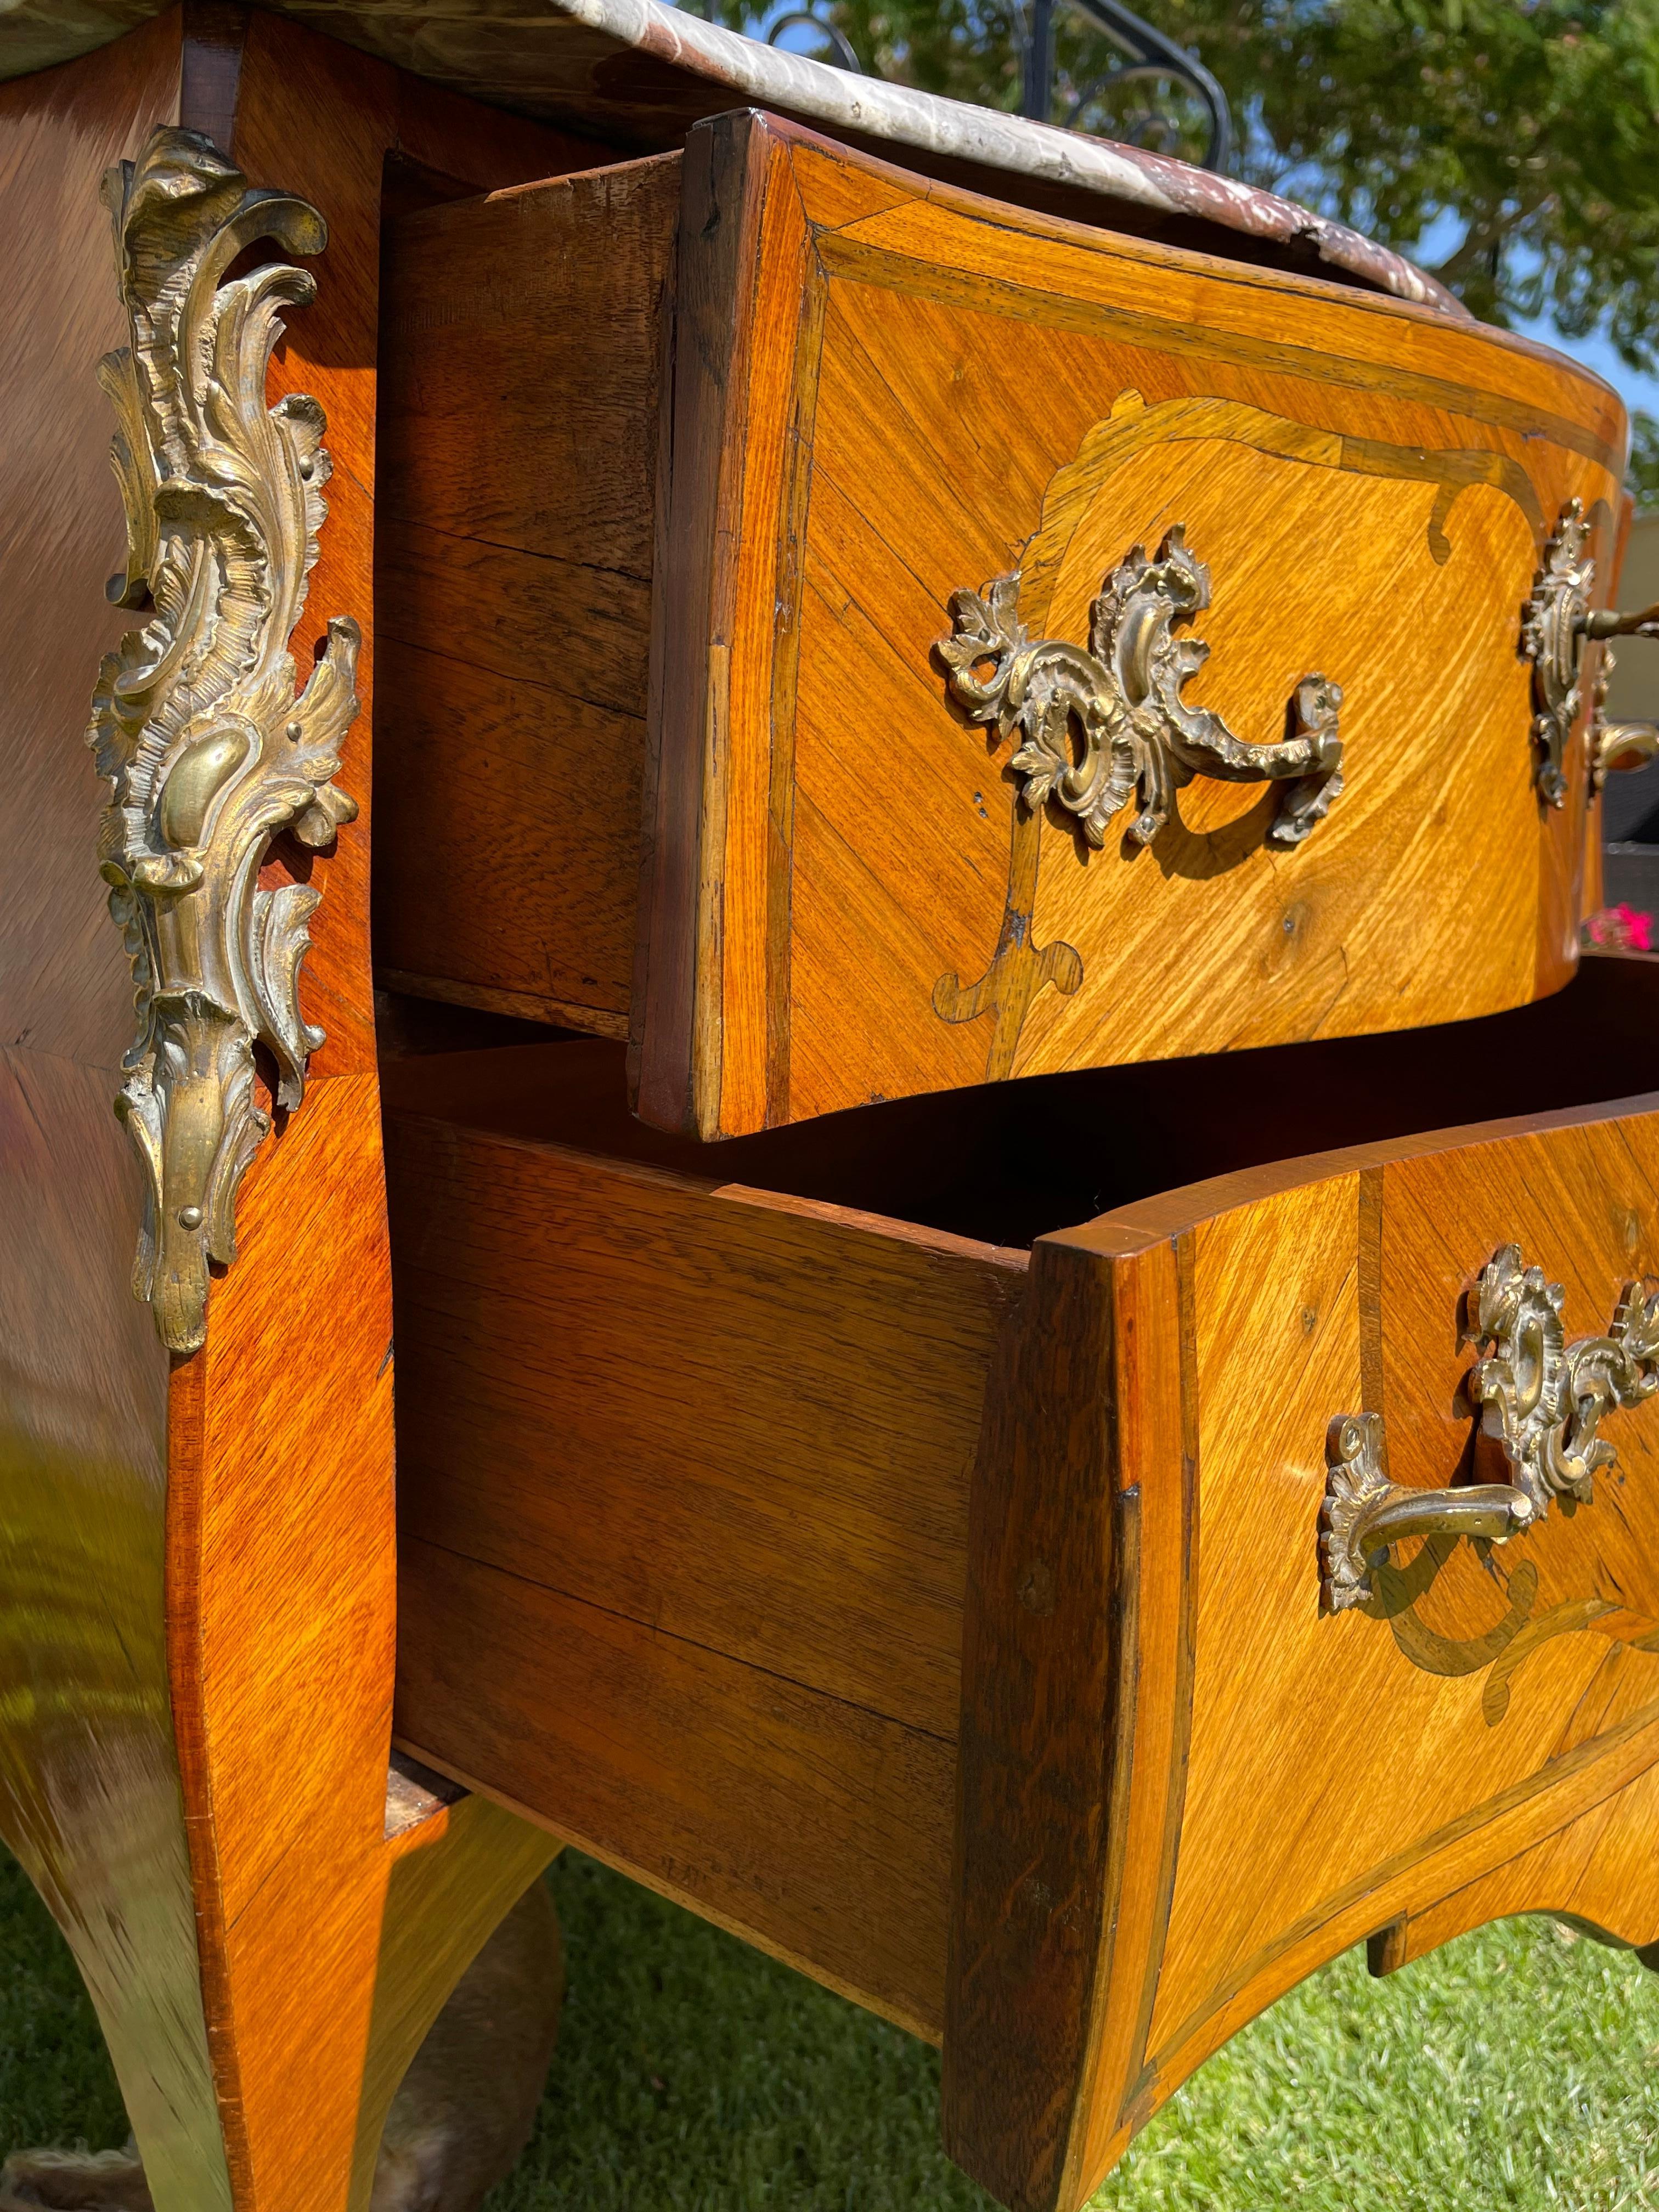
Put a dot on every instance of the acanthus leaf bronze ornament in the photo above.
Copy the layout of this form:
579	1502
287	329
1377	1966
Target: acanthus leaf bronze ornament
1555	622
1550	630
196	723
1541	1398
1544	1399
1136	735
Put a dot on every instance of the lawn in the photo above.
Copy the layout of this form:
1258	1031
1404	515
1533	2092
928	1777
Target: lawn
1516	2068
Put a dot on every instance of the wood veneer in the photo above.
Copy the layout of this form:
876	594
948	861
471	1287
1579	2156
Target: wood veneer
281	1537
197	1561
757	1714
851	431
89	1781
709	1489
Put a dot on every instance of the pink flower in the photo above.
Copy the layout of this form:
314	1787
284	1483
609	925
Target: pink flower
1620	929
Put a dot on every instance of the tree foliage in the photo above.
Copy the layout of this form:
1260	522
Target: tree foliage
1512	145
1642	476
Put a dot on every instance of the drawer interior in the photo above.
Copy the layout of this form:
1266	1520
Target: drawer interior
686	1434
1006	1163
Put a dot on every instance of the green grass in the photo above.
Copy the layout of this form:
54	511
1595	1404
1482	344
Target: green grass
1518	2067
55	2086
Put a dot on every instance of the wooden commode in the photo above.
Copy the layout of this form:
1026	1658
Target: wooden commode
1050	703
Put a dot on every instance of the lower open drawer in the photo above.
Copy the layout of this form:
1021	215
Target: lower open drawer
977	1609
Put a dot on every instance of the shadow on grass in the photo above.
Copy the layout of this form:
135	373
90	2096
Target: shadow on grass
1517	2070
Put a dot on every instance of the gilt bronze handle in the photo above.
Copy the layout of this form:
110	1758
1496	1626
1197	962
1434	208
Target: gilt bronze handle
1119	702
1622	747
1540	1397
1555	622
1618	748
1607	622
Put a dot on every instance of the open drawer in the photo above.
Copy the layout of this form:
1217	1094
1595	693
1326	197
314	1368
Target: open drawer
954	1601
795	582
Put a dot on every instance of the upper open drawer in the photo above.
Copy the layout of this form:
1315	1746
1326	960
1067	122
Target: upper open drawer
1061	650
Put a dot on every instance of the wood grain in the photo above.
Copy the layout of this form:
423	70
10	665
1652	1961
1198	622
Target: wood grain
1076	1687
89	1793
827	841
690	1591
1211	939
921	324
1033	1836
818	1831
1292	1823
659	1581
793	1489
1597	1871
726	1658
712	527
280	1561
520	346
644	78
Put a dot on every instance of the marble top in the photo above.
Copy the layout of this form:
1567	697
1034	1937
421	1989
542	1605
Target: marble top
639	74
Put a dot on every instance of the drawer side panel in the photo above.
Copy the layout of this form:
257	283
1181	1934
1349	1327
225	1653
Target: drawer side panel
816	1831
683	1496
519	371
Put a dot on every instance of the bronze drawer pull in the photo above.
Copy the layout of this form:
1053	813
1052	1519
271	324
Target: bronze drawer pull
1137	736
1555	620
1542	1398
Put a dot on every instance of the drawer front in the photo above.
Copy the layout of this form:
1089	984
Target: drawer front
969	1624
1303	1748
946	789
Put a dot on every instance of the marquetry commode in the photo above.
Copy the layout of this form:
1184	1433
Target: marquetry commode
1049	703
